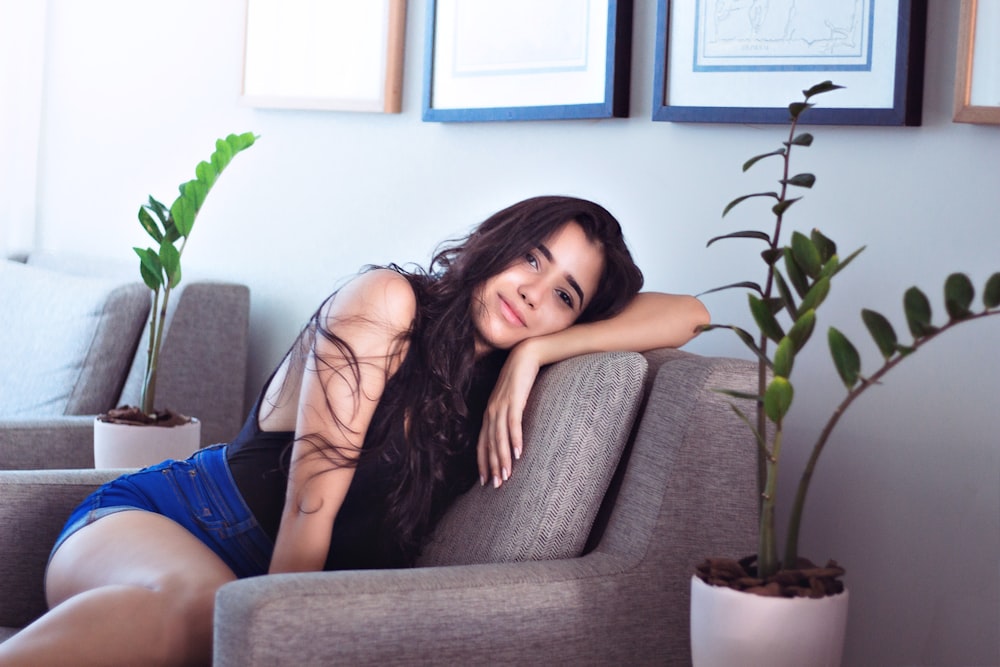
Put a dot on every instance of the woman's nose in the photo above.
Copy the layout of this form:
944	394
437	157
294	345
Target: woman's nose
528	295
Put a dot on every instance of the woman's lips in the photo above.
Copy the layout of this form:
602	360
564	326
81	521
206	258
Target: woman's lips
510	314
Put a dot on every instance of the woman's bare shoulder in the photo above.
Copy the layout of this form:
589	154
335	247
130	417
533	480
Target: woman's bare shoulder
379	294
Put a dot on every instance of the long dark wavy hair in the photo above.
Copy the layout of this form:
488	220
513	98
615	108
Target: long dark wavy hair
439	388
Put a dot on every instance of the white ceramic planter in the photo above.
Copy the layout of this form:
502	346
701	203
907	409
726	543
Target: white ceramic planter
733	628
129	446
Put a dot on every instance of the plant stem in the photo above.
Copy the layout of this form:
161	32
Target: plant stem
795	521
767	552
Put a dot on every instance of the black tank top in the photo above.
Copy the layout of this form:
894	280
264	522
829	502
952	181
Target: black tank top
361	538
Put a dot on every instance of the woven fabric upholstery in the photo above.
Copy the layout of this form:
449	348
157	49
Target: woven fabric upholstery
64	353
577	421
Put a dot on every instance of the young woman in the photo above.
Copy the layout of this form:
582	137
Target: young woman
405	389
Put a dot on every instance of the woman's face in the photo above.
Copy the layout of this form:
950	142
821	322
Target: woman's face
541	293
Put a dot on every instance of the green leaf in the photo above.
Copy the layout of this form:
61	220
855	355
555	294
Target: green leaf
806	254
206	173
147	222
742	395
795	273
743	335
795	109
757	158
802	330
159	209
764	318
778	399
746	284
787	299
222	156
800	180
782	206
738	200
804	139
784	357
741	235
820	88
827	248
845	358
918	312
815	296
881	331
239	142
850	258
958	296
150	268
183	213
991	294
171	260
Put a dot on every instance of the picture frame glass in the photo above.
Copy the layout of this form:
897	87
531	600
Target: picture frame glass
503	54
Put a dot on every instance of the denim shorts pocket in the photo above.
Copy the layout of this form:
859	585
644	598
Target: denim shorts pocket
207	506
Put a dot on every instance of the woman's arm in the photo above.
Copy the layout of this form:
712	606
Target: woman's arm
651	320
337	399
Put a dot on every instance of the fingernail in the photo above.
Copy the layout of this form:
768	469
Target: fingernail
482	480
506	475
517	453
496	482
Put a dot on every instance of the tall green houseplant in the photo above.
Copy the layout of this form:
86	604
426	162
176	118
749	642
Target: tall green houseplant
797	280
170	229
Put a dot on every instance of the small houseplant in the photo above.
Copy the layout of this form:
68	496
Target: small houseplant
160	268
798	277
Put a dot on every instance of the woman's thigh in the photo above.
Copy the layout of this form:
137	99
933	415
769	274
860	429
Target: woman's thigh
136	548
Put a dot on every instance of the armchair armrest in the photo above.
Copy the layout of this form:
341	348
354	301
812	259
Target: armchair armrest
33	444
35	506
562	611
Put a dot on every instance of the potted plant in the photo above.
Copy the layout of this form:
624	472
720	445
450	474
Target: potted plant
116	441
725	614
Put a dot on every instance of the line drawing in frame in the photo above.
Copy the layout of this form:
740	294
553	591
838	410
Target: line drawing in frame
731	61
977	75
334	55
526	60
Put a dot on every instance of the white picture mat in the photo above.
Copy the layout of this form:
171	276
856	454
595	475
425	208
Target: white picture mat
317	53
519	53
985	84
769	89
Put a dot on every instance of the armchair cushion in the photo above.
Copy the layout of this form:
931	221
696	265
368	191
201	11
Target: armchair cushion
576	424
64	354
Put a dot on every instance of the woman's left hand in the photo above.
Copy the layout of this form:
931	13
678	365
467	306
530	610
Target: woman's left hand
500	439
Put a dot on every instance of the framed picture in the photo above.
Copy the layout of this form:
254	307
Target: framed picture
732	61
977	79
527	60
341	55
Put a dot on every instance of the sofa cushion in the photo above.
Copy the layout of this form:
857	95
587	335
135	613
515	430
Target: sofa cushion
71	343
576	424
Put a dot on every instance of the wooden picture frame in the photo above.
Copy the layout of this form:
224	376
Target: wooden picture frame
527	60
338	55
977	71
729	65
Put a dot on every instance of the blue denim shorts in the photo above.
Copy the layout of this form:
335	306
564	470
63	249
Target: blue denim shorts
198	493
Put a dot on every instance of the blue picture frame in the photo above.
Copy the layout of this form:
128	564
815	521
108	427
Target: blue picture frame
615	103
901	62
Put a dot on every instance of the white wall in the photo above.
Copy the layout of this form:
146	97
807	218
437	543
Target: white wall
908	494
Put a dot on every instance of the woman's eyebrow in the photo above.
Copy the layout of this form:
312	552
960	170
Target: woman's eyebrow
569	277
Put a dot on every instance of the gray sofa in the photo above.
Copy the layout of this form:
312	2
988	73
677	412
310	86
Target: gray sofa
77	348
634	469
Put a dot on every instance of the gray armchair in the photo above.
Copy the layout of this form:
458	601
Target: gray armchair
75	350
629	478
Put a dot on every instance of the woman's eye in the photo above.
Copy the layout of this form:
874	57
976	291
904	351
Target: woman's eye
567	299
530	259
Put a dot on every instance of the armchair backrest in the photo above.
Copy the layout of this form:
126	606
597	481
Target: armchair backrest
204	356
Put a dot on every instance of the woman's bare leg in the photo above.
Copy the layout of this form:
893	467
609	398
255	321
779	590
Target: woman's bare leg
132	588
